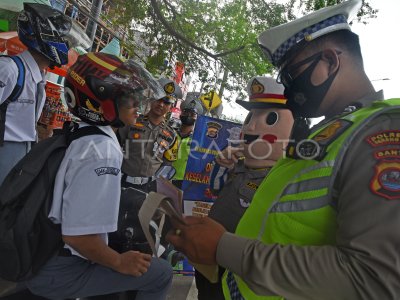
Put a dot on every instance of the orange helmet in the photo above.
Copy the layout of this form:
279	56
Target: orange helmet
97	80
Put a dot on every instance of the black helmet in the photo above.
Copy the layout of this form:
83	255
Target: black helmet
43	29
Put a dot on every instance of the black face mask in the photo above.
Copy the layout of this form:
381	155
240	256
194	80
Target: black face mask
304	98
186	120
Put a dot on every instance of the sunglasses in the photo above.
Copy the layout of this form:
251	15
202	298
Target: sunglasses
285	76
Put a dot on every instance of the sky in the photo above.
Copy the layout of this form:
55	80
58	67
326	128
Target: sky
380	44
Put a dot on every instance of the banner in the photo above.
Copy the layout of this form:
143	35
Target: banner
210	136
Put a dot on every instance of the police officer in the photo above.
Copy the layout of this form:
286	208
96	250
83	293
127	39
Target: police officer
43	31
320	225
190	110
150	143
238	171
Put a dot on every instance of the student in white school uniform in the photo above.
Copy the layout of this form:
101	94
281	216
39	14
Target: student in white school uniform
43	31
103	91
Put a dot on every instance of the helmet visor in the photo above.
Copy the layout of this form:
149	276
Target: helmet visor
130	77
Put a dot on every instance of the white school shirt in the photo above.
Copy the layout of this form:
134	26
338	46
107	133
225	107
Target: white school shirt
88	186
22	114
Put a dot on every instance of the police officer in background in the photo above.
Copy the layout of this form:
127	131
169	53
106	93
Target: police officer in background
150	143
190	110
321	224
43	30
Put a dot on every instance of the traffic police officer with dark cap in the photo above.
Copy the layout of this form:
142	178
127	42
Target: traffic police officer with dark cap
322	225
150	143
190	109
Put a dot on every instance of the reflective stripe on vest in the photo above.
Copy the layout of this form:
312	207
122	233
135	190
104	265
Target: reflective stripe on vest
297	196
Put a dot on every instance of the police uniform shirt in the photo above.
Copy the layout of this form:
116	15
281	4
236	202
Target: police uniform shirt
88	186
367	252
236	195
147	146
22	114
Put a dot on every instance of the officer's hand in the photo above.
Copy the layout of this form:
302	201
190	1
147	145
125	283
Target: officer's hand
134	263
198	239
229	157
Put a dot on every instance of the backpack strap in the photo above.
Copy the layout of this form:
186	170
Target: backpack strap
16	92
72	131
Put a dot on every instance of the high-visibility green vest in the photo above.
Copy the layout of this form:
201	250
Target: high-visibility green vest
294	204
183	155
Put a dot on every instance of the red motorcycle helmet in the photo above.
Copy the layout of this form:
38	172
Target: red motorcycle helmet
97	80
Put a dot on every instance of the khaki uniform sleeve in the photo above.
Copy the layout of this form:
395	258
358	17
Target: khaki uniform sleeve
365	262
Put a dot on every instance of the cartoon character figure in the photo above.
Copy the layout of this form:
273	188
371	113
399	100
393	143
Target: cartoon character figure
239	170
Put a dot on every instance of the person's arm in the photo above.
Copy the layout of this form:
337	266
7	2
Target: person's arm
96	250
8	77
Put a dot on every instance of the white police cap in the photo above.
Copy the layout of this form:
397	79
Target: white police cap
264	92
276	42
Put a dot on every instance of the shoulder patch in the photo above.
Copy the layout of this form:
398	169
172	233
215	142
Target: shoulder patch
331	132
252	185
386	180
140	125
382	138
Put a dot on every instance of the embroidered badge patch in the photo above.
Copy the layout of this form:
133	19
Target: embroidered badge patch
386	180
107	170
387	137
252	185
330	133
388	153
138	125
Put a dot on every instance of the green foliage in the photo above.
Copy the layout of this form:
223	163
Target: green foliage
210	36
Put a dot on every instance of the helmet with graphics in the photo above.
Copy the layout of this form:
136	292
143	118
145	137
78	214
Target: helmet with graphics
171	88
44	29
96	81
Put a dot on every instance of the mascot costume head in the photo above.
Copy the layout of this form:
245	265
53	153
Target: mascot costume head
266	130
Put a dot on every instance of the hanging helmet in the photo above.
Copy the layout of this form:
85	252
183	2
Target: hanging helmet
192	105
171	88
43	29
97	80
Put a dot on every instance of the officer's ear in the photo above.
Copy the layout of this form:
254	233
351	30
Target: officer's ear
331	57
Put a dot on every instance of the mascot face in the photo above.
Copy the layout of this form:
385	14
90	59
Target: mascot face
265	135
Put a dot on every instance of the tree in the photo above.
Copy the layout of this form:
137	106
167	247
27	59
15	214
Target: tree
212	37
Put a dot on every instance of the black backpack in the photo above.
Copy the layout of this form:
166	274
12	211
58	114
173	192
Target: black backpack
28	238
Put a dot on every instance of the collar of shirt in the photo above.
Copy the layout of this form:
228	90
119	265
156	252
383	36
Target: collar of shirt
106	129
30	62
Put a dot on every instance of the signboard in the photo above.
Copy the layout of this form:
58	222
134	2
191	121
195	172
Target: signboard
210	100
210	136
